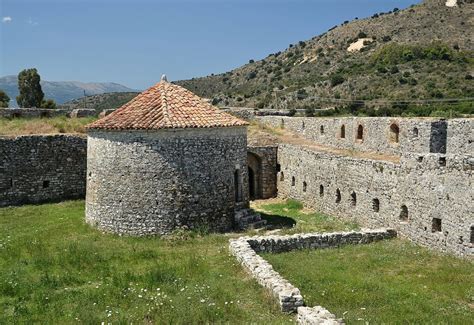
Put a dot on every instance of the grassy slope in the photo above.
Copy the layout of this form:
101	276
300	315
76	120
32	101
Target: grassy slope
306	69
389	282
60	124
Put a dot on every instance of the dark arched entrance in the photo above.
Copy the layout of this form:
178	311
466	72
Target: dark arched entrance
255	178
252	184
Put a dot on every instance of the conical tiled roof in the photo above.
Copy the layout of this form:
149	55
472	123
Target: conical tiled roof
166	106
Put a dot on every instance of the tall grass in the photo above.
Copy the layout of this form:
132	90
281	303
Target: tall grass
60	124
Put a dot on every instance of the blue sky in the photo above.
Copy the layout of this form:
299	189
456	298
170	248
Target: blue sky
133	42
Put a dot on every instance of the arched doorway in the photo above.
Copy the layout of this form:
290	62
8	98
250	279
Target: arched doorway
255	178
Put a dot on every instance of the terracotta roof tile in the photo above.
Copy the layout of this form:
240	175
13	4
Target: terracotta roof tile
166	106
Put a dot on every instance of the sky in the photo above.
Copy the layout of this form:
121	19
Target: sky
134	42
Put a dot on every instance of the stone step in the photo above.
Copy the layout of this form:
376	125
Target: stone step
248	219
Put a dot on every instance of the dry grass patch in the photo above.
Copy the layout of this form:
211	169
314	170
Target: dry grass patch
60	124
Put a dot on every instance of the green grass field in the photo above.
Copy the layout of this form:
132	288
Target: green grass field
54	268
390	282
293	219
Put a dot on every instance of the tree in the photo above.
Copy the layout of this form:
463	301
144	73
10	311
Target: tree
31	94
48	103
4	99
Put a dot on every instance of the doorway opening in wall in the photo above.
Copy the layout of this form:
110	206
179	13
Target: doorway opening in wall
338	196
394	133
254	163
251	184
403	213
376	205
238	186
360	133
342	134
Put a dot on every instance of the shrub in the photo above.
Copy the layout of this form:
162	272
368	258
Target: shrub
251	75
337	79
49	103
309	111
362	35
292	111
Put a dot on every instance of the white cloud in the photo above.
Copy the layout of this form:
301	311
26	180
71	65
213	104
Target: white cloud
6	19
32	22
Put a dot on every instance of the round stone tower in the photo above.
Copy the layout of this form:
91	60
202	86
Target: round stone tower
166	160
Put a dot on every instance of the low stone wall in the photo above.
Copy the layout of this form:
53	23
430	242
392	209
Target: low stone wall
83	112
106	112
35	169
316	315
246	250
32	112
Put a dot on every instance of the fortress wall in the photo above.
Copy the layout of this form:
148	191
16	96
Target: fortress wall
460	135
421	135
438	200
44	168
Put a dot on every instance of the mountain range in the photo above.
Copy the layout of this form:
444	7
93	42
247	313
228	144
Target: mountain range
62	91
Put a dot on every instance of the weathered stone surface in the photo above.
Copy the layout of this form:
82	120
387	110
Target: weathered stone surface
83	112
433	180
35	169
316	315
144	183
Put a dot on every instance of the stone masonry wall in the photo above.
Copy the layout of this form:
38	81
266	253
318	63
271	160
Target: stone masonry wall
143	183
267	165
32	112
36	169
421	135
427	197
